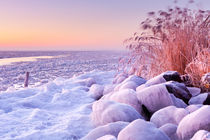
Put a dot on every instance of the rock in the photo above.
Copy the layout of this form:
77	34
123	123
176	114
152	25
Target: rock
126	96
142	130
169	114
178	102
194	91
203	98
170	130
138	80
105	112
107	137
120	78
108	89
112	129
179	90
164	77
96	91
205	80
128	85
197	120
192	108
201	135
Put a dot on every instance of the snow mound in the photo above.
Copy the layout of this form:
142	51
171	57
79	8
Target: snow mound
142	130
109	129
197	120
169	114
58	110
104	112
96	91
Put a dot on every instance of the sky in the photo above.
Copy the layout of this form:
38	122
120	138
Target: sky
73	24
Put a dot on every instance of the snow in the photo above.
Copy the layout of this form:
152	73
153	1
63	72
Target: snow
200	99
170	130
57	110
201	135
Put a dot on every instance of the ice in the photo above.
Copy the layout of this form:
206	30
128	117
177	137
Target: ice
58	110
201	135
170	130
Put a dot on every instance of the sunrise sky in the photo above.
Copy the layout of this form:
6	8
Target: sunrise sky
73	24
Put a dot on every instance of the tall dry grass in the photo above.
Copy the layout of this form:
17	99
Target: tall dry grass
176	39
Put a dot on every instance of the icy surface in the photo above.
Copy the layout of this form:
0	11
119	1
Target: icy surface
58	110
45	70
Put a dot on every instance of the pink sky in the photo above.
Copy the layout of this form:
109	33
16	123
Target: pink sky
72	24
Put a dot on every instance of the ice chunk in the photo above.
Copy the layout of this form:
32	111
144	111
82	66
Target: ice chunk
96	91
200	99
170	130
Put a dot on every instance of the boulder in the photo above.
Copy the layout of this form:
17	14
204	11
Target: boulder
192	108
142	130
193	122
120	78
105	112
203	98
96	91
164	77
169	114
201	135
112	129
170	130
194	91
126	96
107	137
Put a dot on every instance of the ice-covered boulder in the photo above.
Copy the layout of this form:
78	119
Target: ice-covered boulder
120	78
194	91
109	129
128	85
200	99
179	90
169	114
164	77
197	120
178	102
96	91
201	135
136	79
194	107
170	130
107	137
126	96
142	130
108	89
105	112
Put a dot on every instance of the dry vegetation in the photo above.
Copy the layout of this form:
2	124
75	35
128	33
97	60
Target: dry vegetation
176	39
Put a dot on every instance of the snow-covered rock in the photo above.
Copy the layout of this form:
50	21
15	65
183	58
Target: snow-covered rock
192	108
201	135
194	91
104	112
138	80
96	91
164	77
109	129
120	78
197	120
107	137
142	130
178	102
169	114
126	96
170	130
200	99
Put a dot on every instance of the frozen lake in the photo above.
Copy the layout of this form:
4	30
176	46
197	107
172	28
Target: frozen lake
46	66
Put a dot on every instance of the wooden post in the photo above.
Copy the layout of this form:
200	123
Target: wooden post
26	79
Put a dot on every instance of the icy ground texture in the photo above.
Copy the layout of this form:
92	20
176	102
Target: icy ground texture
58	110
45	70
